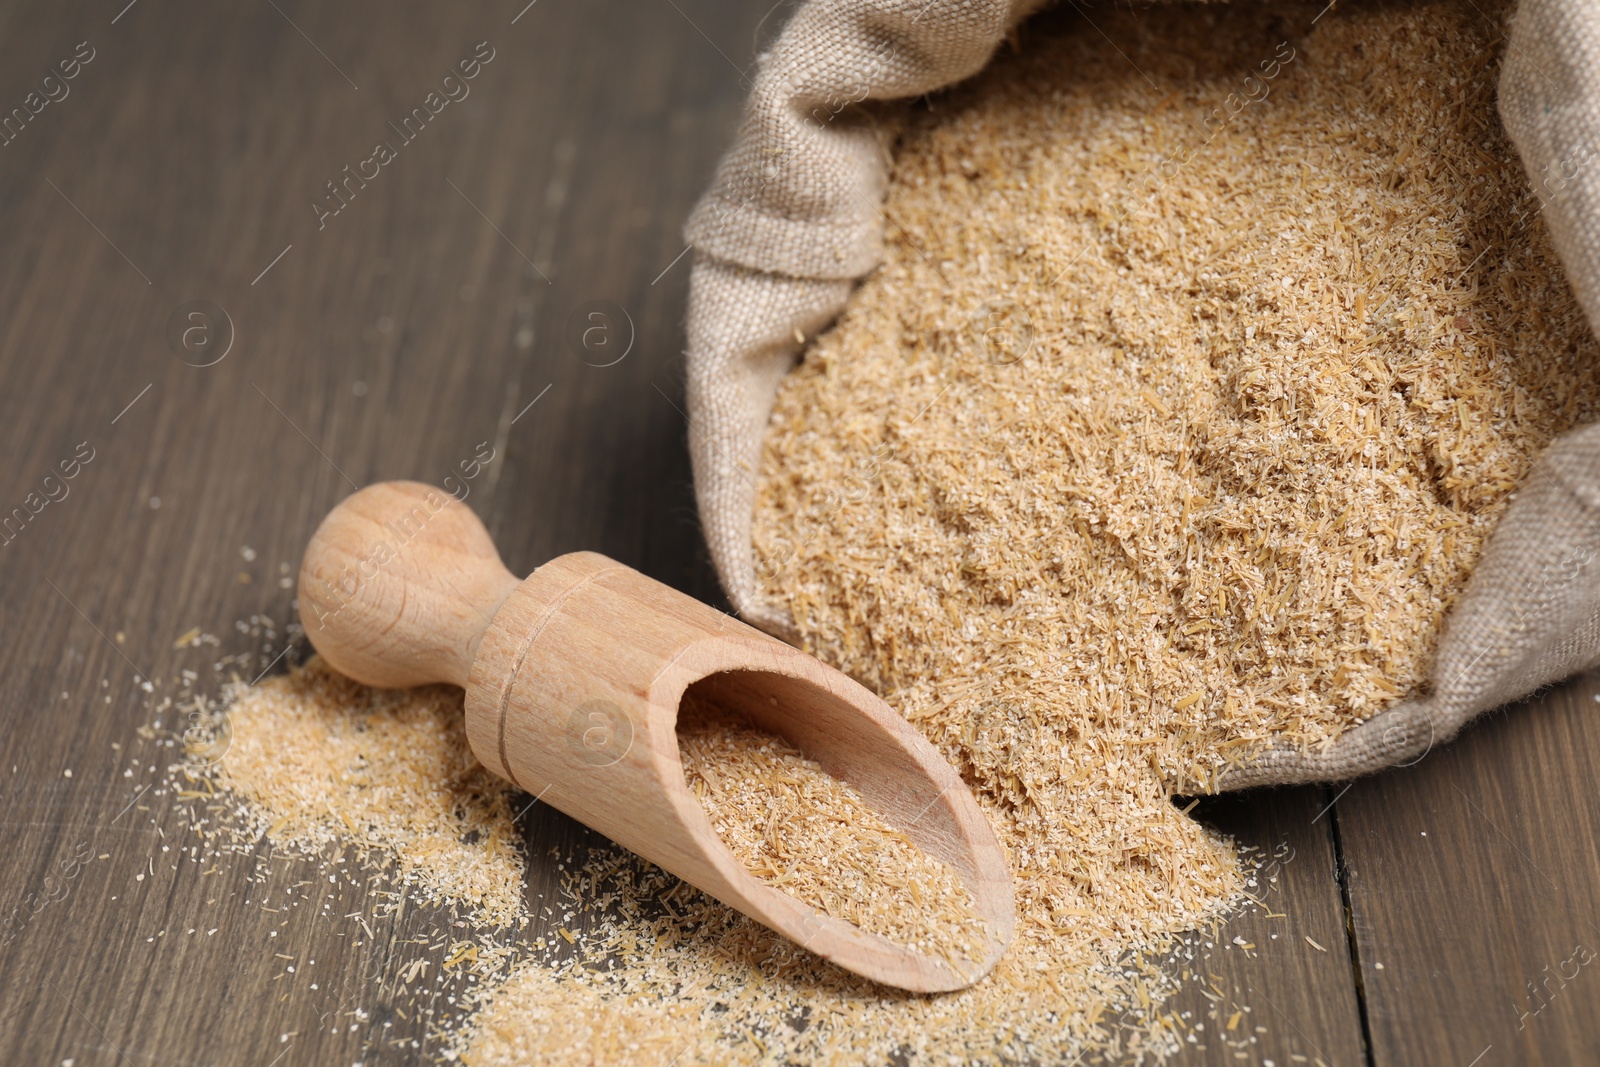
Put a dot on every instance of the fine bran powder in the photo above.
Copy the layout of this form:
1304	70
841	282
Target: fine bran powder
1261	424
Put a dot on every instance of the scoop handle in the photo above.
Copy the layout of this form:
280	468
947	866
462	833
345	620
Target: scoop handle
399	584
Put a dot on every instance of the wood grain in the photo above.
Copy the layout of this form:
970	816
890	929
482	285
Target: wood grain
1283	967
1475	891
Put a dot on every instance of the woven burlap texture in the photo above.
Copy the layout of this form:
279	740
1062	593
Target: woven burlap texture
793	219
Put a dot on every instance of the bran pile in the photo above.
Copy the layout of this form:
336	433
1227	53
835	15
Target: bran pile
1177	467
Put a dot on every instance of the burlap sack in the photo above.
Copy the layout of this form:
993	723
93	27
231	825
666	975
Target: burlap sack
792	220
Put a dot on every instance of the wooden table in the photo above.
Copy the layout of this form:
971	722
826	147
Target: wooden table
1453	904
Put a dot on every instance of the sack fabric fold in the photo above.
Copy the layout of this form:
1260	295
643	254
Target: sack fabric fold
793	219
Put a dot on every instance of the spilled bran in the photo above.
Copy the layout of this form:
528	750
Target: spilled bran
326	762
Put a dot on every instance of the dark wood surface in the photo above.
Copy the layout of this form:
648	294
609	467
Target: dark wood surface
1282	965
1474	887
416	323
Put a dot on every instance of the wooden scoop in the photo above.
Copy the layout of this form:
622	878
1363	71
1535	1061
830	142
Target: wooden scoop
573	680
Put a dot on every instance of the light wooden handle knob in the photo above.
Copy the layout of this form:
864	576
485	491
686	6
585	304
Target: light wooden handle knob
573	678
399	584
